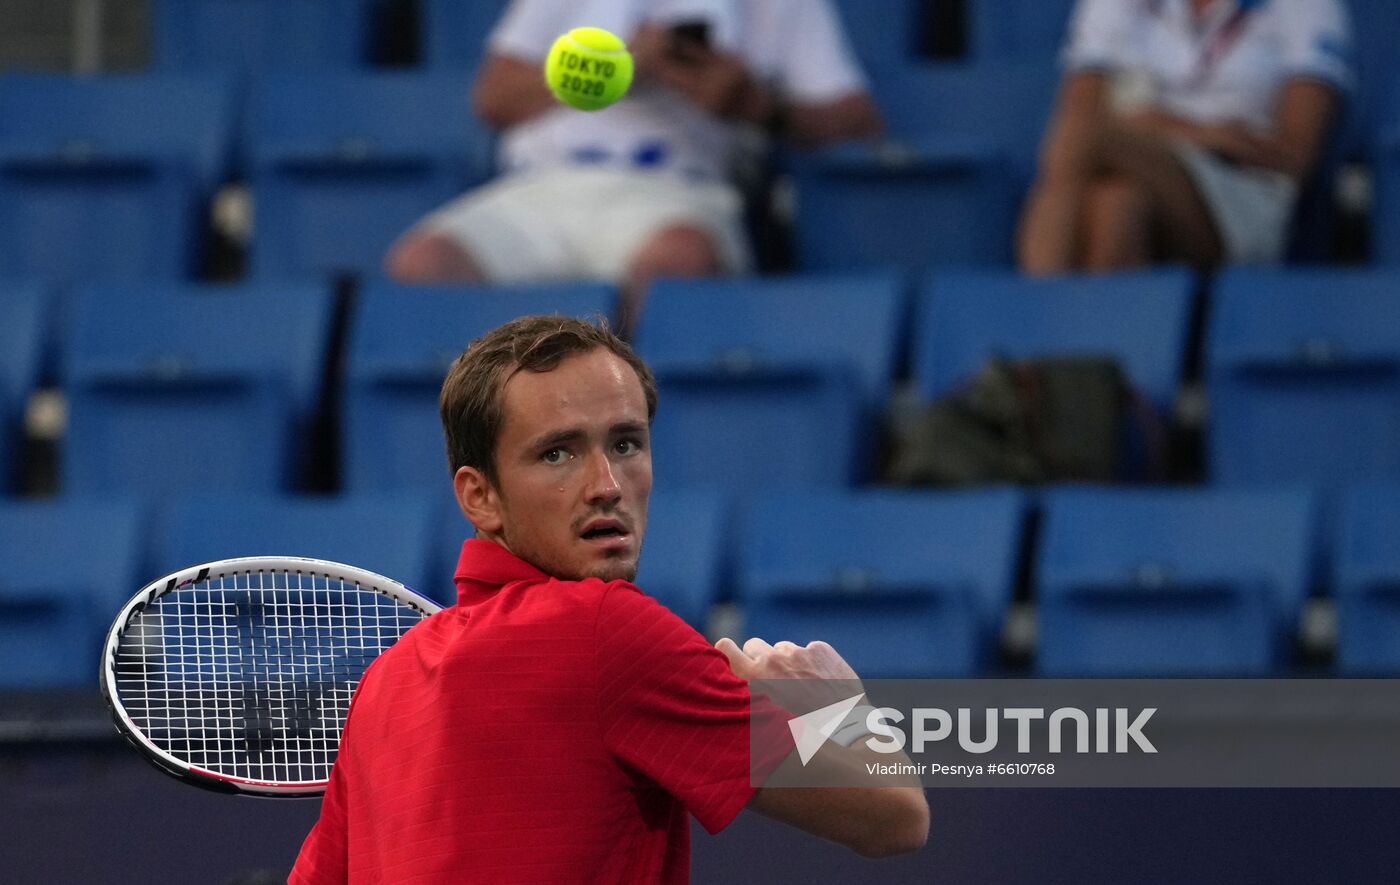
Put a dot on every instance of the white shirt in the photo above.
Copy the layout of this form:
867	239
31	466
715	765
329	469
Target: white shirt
796	46
1228	66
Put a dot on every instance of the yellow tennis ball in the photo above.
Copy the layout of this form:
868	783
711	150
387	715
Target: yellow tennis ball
588	68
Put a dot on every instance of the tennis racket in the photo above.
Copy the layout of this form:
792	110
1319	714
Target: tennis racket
237	675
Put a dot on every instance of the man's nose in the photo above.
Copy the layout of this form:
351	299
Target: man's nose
602	482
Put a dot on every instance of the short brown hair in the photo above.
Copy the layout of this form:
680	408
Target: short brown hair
471	401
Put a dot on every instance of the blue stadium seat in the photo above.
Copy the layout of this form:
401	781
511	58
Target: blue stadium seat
685	554
179	387
1383	141
1303	374
1009	29
389	534
261	35
342	164
769	381
69	567
454	33
1169	582
900	583
1141	319
108	177
945	189
1368	582
23	335
882	33
1376	32
402	342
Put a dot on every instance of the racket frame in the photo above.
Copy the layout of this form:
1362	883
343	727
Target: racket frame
195	574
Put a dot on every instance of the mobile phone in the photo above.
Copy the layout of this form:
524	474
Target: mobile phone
690	36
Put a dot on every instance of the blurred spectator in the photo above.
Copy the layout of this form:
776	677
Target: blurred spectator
645	188
1184	130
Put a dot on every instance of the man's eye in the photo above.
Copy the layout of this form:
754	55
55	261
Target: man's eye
628	447
554	456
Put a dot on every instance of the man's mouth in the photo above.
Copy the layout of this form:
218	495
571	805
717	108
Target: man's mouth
605	532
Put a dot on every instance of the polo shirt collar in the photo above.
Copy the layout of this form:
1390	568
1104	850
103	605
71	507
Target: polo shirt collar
485	567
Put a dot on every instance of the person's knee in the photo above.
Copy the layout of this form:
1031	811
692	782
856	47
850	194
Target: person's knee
679	251
431	258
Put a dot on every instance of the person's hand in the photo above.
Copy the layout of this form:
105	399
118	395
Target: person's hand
1233	140
824	675
785	660
649	45
718	83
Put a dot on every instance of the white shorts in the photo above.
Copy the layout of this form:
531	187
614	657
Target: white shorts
1252	208
585	223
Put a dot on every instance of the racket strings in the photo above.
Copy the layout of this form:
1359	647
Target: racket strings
250	675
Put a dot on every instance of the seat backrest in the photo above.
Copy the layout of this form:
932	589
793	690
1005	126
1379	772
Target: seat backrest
108	176
882	33
1303	375
258	35
1164	538
392	535
69	566
769	382
342	164
749	324
23	338
1173	582
871	542
1003	105
1366	552
82	121
902	583
1375	27
686	552
185	387
402	342
454	33
362	114
1010	29
1140	319
1367	581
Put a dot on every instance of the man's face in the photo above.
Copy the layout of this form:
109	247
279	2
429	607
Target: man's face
573	468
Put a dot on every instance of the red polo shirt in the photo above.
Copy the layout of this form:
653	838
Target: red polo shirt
539	731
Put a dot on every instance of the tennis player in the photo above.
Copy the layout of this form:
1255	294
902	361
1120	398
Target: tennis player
558	725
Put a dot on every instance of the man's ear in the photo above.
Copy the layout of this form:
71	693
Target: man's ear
478	500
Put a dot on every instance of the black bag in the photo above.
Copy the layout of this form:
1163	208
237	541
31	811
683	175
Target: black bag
1052	419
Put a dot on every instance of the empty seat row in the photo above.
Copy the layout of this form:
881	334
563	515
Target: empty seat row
1125	582
173	387
112	177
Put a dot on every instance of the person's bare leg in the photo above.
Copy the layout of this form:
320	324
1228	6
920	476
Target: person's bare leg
1117	225
677	251
1048	239
431	258
1182	223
